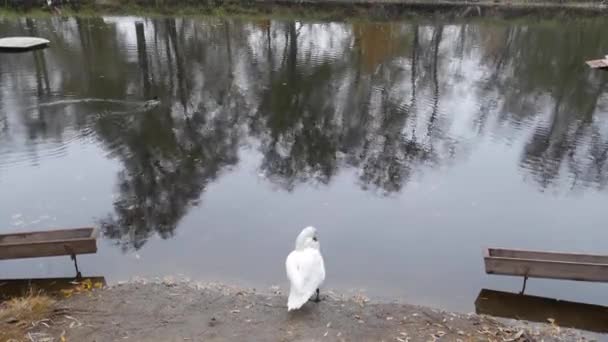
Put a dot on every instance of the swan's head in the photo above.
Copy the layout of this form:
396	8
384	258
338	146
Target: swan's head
307	239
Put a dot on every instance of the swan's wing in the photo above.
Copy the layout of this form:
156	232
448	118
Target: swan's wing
306	272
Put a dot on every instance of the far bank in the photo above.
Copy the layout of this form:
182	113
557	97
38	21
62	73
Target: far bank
322	10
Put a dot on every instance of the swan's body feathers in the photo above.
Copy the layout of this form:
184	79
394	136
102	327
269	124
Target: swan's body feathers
306	272
305	269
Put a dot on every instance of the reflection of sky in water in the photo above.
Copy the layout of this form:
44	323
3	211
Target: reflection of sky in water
409	147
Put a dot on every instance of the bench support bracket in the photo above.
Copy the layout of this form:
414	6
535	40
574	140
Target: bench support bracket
523	289
69	250
78	274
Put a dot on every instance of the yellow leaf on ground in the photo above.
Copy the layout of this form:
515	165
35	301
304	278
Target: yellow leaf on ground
67	293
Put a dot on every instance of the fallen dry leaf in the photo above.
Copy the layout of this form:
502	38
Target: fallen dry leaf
67	293
515	337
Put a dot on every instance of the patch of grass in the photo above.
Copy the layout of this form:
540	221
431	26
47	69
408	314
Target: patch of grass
18	314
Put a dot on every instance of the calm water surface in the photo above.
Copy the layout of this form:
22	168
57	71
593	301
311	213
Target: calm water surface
410	146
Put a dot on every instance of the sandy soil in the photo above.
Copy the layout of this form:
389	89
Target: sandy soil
185	311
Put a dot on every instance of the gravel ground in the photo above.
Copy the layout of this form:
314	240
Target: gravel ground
186	311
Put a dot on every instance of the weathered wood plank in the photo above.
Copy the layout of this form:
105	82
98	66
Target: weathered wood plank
538	309
22	43
547	269
549	256
46	236
47	249
49	243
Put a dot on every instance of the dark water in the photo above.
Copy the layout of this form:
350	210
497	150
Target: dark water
409	145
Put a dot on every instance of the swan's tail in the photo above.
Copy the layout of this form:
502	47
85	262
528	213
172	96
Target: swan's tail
297	299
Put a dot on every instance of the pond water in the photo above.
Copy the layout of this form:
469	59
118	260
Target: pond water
409	145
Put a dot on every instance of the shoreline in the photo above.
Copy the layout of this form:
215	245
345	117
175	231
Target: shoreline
187	311
383	10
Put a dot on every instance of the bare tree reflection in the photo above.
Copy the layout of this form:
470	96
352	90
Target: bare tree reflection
169	158
142	55
167	164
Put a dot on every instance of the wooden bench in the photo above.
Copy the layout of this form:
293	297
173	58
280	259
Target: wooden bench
49	243
550	265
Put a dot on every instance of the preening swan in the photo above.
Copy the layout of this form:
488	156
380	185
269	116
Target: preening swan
305	269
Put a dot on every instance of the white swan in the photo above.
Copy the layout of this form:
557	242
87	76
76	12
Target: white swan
305	269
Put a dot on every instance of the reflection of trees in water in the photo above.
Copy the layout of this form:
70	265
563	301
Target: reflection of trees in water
168	159
389	149
365	123
551	88
3	116
315	98
293	120
167	165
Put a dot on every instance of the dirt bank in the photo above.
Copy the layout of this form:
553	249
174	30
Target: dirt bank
319	9
185	311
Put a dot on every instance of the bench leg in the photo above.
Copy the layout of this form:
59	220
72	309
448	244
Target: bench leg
523	289
78	274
